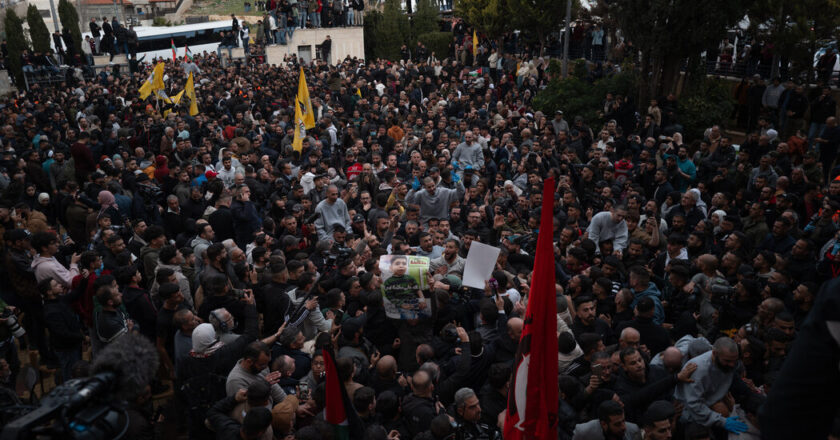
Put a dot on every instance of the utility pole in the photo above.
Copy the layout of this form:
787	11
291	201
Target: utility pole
566	36
54	15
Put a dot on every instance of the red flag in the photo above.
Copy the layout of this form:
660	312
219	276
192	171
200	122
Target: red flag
533	396
338	410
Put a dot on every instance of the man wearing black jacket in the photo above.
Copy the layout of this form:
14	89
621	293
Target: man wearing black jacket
94	32
138	302
276	299
639	385
63	323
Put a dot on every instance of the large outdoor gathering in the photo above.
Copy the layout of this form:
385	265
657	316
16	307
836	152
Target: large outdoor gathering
419	220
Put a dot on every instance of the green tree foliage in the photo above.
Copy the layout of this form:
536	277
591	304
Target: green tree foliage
70	20
537	18
707	102
437	43
425	19
15	44
576	96
490	17
373	20
797	29
392	31
669	31
38	32
703	103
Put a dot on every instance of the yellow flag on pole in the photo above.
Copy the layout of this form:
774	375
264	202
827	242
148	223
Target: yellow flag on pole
475	44
154	83
302	100
300	128
189	90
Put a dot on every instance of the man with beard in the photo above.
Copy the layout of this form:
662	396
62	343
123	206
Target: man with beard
712	380
610	424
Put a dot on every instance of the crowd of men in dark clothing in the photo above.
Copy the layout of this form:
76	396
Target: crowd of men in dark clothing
689	271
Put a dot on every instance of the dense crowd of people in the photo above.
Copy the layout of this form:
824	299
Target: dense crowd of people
686	268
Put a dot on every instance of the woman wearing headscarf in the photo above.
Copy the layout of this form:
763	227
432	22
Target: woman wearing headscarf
108	205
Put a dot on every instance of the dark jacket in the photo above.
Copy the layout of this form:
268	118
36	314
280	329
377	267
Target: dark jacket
226	427
142	310
63	323
222	222
277	307
246	221
659	385
418	413
224	359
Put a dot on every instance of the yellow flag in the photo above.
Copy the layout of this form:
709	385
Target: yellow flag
157	78
302	100
359	92
177	98
189	90
475	44
300	128
154	83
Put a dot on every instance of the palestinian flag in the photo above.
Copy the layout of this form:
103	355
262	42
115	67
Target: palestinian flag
174	54
187	54
339	412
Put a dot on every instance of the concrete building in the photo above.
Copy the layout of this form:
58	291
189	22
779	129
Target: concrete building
306	44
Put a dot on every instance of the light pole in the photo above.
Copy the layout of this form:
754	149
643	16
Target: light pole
566	37
54	15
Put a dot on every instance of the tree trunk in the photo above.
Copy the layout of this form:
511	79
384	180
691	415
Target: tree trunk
670	75
644	77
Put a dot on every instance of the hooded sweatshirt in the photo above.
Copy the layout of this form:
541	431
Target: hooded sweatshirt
50	268
653	292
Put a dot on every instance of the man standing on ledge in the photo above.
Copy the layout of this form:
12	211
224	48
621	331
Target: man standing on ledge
326	47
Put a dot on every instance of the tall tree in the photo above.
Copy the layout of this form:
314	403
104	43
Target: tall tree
425	19
392	31
666	32
538	18
15	44
490	17
796	29
70	20
38	32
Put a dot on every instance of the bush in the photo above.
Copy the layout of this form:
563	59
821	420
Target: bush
705	103
38	32
15	44
437	42
577	96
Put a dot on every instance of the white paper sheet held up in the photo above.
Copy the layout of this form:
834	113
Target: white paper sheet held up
480	263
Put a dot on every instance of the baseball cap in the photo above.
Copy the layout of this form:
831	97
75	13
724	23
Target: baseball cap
358	218
210	174
297	208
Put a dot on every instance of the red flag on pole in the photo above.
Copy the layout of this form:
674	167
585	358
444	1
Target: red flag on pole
533	396
339	410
